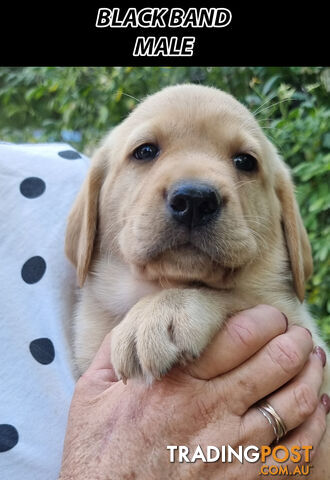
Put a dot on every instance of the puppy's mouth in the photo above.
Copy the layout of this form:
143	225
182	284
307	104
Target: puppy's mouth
184	263
185	249
180	255
180	242
174	251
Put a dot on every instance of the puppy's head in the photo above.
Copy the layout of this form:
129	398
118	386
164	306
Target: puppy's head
187	189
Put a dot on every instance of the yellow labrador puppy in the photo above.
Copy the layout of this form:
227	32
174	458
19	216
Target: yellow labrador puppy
187	216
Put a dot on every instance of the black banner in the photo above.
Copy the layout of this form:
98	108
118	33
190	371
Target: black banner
152	33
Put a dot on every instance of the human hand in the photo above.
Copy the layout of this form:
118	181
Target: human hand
118	431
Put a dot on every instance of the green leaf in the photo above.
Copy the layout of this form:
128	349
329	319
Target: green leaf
103	114
326	140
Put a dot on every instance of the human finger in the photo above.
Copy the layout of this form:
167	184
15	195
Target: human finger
243	335
295	402
270	368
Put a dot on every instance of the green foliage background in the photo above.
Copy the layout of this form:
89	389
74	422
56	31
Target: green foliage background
79	104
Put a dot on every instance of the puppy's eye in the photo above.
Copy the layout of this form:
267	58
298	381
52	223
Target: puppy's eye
148	151
246	162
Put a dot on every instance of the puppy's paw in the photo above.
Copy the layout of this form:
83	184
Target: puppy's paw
143	345
158	333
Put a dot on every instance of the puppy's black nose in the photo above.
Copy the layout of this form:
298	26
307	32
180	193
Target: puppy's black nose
193	203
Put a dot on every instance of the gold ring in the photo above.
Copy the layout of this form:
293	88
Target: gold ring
274	419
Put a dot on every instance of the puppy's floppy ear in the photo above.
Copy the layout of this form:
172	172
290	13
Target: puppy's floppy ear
297	241
82	221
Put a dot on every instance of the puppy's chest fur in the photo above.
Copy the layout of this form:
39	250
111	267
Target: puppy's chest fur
117	289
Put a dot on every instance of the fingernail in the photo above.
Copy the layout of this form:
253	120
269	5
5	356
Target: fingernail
321	354
286	321
308	331
325	400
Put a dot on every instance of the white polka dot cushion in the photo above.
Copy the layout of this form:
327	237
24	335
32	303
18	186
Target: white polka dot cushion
38	184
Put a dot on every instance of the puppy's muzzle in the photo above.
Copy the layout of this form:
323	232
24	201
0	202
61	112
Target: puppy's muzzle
193	204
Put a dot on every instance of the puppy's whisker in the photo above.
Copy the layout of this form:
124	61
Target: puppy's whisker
131	96
273	105
257	217
114	224
110	248
264	103
242	183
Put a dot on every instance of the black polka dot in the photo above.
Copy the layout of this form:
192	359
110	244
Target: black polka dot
32	187
42	350
33	270
69	154
8	437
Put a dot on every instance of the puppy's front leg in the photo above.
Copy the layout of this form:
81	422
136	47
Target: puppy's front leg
172	326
